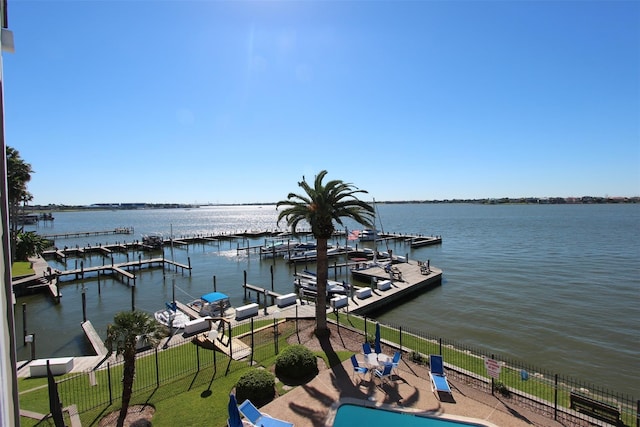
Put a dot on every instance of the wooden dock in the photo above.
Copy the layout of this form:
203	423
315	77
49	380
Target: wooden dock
94	339
408	281
121	268
418	242
119	230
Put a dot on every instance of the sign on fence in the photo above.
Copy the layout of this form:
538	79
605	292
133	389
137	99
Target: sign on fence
493	367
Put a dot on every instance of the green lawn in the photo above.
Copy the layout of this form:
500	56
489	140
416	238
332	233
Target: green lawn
21	268
200	397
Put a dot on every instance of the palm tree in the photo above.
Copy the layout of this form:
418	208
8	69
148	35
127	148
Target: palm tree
18	175
123	334
29	244
320	206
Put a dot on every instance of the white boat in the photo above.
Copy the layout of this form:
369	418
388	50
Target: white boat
171	317
308	281
279	247
311	255
212	304
153	241
368	235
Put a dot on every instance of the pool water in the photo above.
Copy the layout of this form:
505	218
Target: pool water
353	415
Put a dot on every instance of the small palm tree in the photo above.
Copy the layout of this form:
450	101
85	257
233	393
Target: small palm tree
122	335
320	206
29	244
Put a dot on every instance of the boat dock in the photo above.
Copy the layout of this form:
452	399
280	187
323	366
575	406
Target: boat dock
121	268
415	240
408	280
119	230
94	339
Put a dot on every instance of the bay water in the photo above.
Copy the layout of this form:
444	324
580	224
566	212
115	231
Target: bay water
556	286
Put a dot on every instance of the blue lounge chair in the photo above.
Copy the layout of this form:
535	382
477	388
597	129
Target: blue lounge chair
385	373
366	348
396	361
438	377
357	369
257	418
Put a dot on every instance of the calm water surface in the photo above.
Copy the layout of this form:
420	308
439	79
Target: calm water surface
556	286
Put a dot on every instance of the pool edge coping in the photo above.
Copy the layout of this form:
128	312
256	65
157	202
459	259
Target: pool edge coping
333	410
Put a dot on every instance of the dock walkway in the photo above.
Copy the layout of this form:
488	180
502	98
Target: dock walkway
408	280
94	339
120	268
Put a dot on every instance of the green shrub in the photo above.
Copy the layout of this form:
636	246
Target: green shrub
257	385
296	363
371	339
501	388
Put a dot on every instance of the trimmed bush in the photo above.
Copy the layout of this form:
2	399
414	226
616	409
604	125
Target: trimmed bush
257	385
296	362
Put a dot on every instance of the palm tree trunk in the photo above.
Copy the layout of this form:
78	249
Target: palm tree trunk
321	301
128	375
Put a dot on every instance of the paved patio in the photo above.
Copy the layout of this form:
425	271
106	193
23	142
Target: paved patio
311	404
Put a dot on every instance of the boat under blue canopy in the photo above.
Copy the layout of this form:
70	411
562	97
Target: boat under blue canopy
214	296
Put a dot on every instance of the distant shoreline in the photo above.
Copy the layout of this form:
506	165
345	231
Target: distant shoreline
487	201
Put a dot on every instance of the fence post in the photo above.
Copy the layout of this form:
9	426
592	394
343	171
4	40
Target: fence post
400	338
440	346
109	378
638	414
297	329
275	334
157	369
198	358
555	397
252	344
492	380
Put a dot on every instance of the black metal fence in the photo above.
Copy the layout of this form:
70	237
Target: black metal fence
101	386
559	397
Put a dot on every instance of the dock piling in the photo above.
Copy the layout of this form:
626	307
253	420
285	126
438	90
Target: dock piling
84	304
24	323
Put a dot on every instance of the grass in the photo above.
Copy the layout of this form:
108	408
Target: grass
185	393
21	268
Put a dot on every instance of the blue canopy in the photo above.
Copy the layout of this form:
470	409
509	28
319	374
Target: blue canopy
234	414
214	297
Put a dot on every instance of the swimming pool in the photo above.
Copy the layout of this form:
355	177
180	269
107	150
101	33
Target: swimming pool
348	415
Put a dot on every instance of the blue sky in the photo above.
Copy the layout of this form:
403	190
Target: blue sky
233	102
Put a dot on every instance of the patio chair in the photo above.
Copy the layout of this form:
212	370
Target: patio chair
438	377
366	348
396	361
257	418
357	369
385	373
